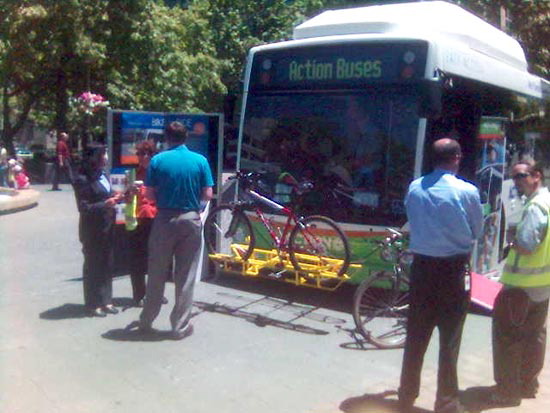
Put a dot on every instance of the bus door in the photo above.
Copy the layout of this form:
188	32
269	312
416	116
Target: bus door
490	164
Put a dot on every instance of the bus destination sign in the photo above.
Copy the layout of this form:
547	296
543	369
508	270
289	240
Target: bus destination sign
338	66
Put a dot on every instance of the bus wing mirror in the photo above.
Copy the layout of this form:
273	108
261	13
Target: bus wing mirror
430	99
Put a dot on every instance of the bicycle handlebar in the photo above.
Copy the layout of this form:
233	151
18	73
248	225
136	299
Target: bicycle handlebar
250	179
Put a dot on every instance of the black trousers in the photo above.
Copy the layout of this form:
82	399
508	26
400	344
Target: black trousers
138	265
97	274
438	298
58	169
519	342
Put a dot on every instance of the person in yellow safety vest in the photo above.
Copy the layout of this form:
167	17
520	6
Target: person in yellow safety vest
521	308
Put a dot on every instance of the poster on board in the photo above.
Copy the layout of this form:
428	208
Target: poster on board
136	127
125	129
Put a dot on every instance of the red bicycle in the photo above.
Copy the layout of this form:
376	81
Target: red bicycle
235	229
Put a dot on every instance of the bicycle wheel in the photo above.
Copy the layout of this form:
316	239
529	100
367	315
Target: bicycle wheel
228	231
380	309
323	239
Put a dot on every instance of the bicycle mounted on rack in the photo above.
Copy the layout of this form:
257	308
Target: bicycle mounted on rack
381	302
241	237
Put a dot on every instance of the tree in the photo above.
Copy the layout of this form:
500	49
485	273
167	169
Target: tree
22	64
162	59
139	54
45	55
526	20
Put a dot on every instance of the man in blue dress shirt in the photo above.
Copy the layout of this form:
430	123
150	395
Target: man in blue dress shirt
445	218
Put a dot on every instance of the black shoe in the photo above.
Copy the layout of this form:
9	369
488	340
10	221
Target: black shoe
405	404
459	409
183	333
97	312
136	325
164	300
504	400
110	309
528	393
55	189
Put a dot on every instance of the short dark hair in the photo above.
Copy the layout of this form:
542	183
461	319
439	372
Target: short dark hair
443	152
90	158
176	132
532	167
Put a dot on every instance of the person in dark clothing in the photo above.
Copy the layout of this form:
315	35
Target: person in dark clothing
445	218
96	205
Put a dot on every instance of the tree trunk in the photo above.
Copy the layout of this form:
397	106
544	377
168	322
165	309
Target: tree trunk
61	103
7	136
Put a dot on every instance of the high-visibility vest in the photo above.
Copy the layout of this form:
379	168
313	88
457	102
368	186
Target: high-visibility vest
532	270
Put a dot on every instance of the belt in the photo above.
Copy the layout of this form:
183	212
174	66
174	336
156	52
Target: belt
183	213
465	257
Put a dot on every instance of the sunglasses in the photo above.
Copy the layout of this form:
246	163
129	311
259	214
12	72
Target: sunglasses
520	175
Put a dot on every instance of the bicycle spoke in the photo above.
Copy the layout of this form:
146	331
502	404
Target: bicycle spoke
380	311
317	244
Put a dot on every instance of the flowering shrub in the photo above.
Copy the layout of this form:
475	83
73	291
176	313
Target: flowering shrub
89	102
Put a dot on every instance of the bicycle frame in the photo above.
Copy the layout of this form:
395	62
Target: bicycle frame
281	243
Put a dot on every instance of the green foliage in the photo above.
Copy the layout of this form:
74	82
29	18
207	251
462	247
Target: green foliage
238	25
526	20
162	61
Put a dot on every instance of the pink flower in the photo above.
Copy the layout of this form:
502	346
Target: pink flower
91	102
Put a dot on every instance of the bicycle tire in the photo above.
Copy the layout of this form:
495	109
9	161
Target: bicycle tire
225	226
319	236
380	314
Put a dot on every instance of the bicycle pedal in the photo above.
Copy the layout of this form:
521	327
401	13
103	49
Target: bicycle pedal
277	274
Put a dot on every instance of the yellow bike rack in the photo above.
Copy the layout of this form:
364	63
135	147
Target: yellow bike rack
316	272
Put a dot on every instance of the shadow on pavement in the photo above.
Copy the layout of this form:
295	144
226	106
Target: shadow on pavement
338	300
124	302
257	319
123	334
65	311
375	403
358	343
69	310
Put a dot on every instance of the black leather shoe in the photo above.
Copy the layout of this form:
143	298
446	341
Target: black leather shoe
529	392
110	309
97	312
136	325
502	400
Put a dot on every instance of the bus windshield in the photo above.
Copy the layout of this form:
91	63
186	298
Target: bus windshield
357	149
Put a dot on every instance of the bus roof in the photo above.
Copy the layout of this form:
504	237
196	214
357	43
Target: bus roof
466	45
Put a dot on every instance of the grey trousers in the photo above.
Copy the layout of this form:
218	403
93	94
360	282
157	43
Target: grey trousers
175	237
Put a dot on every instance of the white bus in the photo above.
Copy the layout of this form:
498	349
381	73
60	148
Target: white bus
354	101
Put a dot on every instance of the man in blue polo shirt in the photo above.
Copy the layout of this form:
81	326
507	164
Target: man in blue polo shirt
178	179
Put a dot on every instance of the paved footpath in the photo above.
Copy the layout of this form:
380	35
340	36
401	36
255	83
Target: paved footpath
258	347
